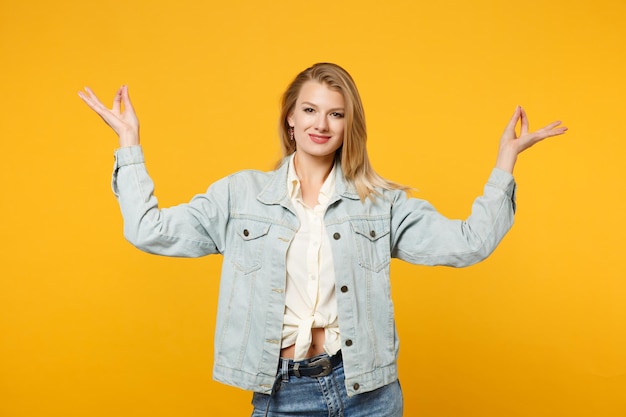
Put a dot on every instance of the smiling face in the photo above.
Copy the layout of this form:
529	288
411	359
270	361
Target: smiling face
318	121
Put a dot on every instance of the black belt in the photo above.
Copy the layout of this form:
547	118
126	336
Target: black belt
315	367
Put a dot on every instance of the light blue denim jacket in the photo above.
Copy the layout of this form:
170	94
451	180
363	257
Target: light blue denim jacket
249	219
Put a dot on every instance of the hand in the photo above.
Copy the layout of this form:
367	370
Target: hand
511	145
121	118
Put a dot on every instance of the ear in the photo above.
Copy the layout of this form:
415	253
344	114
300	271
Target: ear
290	120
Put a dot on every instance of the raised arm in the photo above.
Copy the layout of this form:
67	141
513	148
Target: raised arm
192	229
121	117
421	235
511	145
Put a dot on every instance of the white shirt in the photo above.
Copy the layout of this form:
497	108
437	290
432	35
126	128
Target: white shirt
310	299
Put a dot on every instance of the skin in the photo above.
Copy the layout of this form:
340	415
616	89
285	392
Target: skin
511	145
318	123
121	117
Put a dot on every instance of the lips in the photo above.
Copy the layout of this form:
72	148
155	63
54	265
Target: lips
319	138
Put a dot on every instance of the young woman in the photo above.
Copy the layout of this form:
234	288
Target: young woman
305	318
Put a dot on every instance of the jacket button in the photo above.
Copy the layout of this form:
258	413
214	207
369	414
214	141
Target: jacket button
336	236
373	233
245	232
344	289
356	387
348	342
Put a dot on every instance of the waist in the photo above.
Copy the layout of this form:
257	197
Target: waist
318	338
315	367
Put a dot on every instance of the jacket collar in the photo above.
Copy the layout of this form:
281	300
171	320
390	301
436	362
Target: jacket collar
276	190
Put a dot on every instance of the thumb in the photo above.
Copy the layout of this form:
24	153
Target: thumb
510	127
128	105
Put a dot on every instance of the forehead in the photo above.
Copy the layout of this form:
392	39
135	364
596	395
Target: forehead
317	93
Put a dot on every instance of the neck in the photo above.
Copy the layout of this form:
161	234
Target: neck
312	170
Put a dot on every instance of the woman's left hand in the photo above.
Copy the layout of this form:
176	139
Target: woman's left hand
121	117
512	145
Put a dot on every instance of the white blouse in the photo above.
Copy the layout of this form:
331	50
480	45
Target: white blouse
310	300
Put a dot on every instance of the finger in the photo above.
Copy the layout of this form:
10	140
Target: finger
84	95
510	127
126	100
551	126
524	125
553	129
96	105
92	101
542	134
553	132
92	96
117	100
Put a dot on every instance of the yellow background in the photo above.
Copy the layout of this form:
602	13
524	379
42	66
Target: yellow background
90	326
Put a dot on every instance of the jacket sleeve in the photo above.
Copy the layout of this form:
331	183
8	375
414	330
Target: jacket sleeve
188	230
420	235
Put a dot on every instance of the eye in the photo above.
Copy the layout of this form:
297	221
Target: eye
308	110
337	115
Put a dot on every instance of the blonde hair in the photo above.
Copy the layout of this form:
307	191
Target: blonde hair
352	154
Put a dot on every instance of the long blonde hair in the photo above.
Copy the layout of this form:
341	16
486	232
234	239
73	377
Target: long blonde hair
352	154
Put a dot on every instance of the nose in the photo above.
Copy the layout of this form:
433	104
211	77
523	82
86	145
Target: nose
321	124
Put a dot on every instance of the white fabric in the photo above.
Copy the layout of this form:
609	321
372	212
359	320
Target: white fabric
310	300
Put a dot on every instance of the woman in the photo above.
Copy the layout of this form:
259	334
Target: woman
305	318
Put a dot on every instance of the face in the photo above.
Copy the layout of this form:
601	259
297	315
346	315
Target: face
318	121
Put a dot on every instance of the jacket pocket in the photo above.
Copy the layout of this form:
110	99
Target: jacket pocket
372	243
249	243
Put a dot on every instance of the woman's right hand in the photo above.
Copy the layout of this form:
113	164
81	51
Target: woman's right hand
121	117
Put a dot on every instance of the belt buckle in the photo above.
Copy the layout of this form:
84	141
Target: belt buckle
327	367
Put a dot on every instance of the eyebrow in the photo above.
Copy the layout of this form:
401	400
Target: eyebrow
308	103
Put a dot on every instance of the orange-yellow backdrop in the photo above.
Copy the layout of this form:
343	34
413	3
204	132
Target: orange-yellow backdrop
90	326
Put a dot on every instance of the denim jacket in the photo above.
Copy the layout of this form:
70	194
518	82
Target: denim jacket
248	218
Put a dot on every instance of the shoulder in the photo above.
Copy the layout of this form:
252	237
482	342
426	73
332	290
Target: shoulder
256	175
250	181
390	197
245	179
251	174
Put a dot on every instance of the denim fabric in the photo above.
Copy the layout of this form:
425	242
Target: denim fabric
249	219
327	397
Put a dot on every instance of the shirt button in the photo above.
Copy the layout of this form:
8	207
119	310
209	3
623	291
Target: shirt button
348	342
356	387
245	232
336	236
344	289
373	233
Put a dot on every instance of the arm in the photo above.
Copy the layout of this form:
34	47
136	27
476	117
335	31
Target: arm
193	229
188	230
423	236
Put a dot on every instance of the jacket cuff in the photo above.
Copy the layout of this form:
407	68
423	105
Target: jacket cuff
504	180
128	155
501	179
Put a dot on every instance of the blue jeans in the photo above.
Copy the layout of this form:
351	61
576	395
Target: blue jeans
326	396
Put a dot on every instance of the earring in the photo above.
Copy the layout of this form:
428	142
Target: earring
291	134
